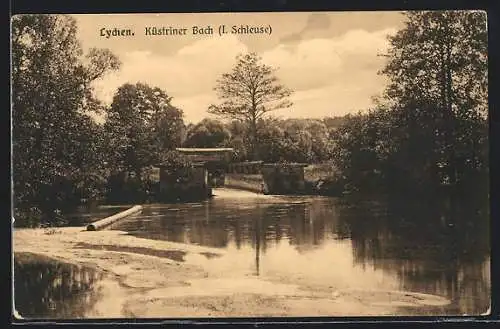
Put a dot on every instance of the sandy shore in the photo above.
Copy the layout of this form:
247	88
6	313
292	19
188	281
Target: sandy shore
149	278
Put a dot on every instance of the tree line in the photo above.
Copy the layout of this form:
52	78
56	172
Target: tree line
290	140
427	132
426	135
61	155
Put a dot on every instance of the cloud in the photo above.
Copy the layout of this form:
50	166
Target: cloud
315	21
318	62
329	76
363	42
191	71
338	98
318	21
195	107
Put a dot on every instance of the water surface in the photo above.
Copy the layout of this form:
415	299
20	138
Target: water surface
48	289
327	242
85	215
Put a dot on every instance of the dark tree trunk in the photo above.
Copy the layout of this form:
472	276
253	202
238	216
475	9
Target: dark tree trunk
254	139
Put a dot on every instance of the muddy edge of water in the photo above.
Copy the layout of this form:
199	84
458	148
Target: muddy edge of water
152	275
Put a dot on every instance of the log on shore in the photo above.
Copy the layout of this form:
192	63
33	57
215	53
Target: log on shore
102	223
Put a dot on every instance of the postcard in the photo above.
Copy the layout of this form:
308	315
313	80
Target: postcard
229	165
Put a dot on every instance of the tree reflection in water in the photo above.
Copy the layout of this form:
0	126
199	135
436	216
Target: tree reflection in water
44	288
431	247
425	247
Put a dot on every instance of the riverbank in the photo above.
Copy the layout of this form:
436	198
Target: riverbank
149	278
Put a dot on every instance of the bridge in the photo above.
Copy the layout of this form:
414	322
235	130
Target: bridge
214	167
210	155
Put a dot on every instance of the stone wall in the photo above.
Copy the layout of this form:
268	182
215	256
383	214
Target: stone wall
254	183
192	183
284	179
273	179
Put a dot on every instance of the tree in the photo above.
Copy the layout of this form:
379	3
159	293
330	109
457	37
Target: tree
141	125
440	58
54	141
311	138
437	70
428	132
271	141
361	150
207	133
248	92
333	122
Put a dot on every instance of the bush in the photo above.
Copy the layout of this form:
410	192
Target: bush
27	217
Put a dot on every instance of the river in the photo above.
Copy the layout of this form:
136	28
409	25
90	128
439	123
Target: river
320	243
326	241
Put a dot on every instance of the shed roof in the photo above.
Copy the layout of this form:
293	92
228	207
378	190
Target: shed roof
194	164
201	150
294	164
246	163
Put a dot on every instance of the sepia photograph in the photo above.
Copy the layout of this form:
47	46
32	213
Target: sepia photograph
243	165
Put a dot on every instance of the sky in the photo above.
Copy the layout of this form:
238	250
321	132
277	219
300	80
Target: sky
330	60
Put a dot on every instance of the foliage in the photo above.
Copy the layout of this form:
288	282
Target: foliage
207	133
174	162
332	123
248	93
293	140
361	147
54	149
239	140
309	140
429	130
141	125
177	173
271	141
440	59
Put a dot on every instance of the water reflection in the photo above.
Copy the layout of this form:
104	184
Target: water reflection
325	242
44	288
426	249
